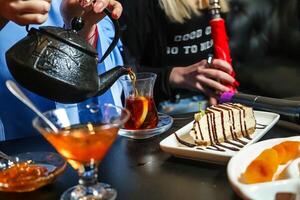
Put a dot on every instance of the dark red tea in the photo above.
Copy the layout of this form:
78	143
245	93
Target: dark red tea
143	113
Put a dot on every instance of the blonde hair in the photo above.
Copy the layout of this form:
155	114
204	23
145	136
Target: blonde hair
181	10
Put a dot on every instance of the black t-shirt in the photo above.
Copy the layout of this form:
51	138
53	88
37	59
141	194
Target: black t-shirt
152	43
189	42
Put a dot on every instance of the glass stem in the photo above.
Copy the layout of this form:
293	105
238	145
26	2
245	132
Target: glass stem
88	174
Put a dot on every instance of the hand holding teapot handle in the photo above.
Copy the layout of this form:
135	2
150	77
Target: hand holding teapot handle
92	12
24	12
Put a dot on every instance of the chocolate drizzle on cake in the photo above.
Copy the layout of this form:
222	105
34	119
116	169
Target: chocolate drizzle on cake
241	109
220	108
196	123
231	118
235	144
211	121
216	148
260	126
209	131
222	121
184	142
223	126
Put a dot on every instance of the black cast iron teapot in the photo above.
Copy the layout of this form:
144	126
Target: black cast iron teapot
60	65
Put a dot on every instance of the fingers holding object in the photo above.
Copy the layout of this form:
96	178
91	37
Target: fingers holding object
212	84
217	75
114	6
212	100
116	9
29	11
31	6
219	64
98	6
25	19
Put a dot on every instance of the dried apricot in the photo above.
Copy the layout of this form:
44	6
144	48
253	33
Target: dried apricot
262	168
259	171
282	154
292	149
265	165
270	155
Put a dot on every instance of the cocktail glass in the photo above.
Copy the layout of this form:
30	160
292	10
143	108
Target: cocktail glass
83	139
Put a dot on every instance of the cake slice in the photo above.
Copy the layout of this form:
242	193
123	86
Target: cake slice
223	122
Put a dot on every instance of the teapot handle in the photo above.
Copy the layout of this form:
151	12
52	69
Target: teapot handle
116	37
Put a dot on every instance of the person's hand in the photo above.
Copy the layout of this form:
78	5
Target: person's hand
25	12
212	100
90	10
209	80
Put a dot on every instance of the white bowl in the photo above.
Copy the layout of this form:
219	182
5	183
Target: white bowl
268	190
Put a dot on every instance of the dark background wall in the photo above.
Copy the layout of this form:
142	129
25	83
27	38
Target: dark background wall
265	45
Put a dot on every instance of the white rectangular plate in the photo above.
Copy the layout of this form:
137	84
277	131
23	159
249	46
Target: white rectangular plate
172	146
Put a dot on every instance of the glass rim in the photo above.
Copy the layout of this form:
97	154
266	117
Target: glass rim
36	125
151	76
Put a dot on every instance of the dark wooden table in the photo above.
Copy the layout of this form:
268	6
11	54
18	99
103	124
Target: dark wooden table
138	169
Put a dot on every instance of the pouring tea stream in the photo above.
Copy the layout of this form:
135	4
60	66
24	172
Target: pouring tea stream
15	90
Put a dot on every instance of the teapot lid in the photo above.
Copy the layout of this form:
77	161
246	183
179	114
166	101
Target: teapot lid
70	37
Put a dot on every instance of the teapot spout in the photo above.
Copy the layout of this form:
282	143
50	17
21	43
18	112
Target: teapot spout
107	79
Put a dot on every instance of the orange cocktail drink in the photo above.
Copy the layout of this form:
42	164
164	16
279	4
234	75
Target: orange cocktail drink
82	144
83	138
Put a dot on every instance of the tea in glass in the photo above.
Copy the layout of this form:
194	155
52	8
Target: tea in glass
139	101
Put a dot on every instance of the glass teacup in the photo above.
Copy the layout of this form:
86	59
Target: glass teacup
139	101
83	140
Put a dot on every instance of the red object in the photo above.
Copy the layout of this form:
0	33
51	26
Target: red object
95	42
221	46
